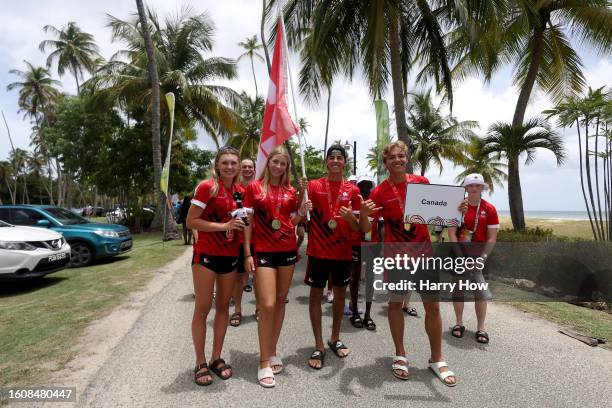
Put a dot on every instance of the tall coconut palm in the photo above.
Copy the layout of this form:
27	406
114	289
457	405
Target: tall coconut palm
477	160
540	38
251	46
74	50
384	38
513	141
37	90
179	48
435	136
592	116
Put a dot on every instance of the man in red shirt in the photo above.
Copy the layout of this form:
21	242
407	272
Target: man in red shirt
388	200
478	234
329	248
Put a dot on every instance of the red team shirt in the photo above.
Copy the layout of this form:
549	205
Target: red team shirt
392	213
266	238
487	218
324	242
217	209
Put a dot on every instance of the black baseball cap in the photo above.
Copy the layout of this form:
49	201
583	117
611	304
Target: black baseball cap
336	149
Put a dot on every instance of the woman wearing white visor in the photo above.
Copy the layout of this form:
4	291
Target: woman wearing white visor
479	231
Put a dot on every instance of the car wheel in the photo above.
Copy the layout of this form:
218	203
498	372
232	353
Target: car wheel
81	255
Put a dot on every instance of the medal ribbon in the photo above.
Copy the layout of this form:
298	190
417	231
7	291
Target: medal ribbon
276	204
475	222
401	201
333	209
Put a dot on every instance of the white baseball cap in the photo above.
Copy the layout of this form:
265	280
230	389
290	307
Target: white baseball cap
475	178
365	177
352	177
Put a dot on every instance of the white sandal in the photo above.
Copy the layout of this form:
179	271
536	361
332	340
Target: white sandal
263	373
435	367
276	361
400	367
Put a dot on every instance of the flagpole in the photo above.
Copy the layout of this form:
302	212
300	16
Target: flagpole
297	118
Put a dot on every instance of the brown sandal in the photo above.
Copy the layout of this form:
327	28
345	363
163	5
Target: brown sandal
218	366
202	371
235	319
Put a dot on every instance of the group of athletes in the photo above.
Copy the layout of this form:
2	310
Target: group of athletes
341	215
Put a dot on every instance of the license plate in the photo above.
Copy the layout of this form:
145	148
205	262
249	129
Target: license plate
58	257
126	244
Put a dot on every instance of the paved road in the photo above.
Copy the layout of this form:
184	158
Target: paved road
527	364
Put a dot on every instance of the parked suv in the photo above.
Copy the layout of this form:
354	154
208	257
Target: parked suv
88	240
27	252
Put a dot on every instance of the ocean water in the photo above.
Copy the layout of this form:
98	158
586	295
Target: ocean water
553	215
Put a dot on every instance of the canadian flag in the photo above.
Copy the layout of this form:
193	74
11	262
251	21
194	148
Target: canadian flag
277	124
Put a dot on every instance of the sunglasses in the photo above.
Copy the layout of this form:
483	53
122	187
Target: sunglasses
228	149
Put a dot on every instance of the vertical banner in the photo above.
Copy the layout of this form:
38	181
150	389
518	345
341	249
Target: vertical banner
383	136
165	174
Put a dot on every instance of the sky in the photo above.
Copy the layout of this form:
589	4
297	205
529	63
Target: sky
546	187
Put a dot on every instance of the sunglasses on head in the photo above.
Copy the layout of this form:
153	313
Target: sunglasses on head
228	149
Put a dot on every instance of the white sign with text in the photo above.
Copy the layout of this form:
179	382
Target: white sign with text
433	204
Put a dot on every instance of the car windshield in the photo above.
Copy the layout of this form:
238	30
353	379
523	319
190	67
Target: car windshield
66	217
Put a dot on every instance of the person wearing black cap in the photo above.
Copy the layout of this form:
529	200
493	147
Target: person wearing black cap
329	248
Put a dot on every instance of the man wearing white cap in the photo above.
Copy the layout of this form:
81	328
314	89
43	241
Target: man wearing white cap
478	232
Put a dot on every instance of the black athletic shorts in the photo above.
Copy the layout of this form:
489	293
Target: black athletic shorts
318	270
217	264
276	259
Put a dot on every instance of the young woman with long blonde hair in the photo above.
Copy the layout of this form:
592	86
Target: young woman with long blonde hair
276	211
215	257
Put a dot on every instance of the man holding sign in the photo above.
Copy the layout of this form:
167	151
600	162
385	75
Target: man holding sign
388	200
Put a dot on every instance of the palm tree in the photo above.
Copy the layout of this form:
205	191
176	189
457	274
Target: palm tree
433	135
246	138
512	141
477	160
37	90
251	46
75	50
535	36
182	69
384	38
591	113
153	76
37	96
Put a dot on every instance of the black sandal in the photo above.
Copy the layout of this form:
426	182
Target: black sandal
235	319
317	355
214	366
458	328
356	321
481	334
337	346
369	324
197	374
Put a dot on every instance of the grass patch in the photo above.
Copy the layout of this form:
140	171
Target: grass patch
567	228
41	320
593	323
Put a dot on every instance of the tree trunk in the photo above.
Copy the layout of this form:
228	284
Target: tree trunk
158	219
532	73
398	88
327	121
263	37
515	195
586	202
587	165
254	78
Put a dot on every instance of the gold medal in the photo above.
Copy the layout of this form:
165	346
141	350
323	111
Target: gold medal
332	224
407	226
276	224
